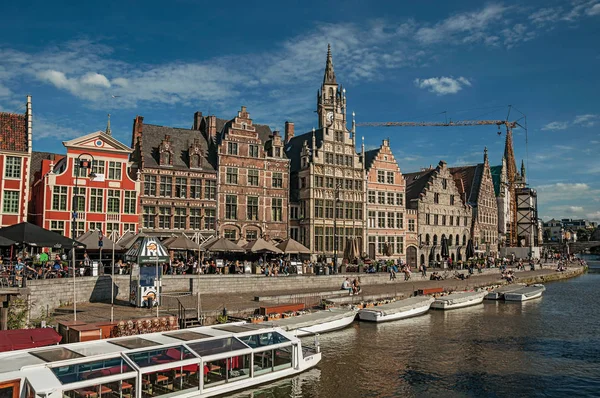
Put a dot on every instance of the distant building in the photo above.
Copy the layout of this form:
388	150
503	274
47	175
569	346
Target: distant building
15	164
106	201
442	213
553	230
386	221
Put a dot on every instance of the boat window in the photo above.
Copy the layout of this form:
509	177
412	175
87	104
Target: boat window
264	339
10	389
134	342
211	347
272	360
226	370
188	336
115	389
167	381
90	370
56	354
160	356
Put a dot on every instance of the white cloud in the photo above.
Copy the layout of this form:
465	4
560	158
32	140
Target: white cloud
95	79
593	10
575	209
586	120
556	126
546	15
443	85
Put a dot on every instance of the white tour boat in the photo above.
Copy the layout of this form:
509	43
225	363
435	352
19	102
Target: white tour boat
316	322
499	293
458	300
525	293
400	309
197	362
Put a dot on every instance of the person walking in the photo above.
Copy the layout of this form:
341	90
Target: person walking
424	270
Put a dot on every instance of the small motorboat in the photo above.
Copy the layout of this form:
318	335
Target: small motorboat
499	293
458	300
400	309
316	322
525	293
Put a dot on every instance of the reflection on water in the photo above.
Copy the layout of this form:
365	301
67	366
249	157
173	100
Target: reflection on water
304	384
543	347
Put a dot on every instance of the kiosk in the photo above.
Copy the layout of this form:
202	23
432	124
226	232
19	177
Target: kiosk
147	256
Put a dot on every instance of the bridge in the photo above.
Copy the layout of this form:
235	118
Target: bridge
574	247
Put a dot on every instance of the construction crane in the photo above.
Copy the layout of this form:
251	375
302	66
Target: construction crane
508	153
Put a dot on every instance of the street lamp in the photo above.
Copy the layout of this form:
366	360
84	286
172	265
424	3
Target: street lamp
338	185
81	164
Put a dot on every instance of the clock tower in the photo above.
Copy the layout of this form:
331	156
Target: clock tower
331	99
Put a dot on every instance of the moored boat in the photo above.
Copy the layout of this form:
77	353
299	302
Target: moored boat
458	300
316	322
525	293
197	362
400	309
499	293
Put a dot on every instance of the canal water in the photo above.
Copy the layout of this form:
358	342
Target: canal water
549	347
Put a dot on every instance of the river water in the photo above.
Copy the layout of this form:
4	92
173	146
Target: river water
547	347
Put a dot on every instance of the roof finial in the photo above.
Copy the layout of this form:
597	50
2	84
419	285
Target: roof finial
329	77
485	155
108	132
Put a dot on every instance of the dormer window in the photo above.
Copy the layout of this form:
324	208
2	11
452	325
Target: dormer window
195	161
195	153
165	159
166	152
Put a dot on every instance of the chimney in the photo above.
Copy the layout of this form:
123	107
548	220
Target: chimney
29	125
197	121
289	131
211	128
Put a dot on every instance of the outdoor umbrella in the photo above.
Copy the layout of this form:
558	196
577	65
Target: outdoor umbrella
469	252
31	235
223	245
290	246
6	242
147	250
180	243
90	240
444	251
204	245
241	242
128	239
262	246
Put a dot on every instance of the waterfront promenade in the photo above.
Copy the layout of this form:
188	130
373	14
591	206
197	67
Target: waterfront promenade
242	303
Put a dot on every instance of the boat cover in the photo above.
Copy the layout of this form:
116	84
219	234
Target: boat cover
457	298
402	305
20	339
312	319
507	288
529	290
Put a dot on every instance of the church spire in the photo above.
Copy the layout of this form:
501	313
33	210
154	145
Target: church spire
523	169
108	132
329	77
509	155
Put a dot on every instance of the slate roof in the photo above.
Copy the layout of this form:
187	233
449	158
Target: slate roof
181	140
13	132
415	184
370	157
293	148
36	163
496	176
264	132
471	180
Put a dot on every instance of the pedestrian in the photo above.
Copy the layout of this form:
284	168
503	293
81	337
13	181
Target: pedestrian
424	270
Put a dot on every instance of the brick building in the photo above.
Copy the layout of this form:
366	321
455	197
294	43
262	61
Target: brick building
328	184
15	164
253	178
441	213
476	186
108	202
178	192
386	225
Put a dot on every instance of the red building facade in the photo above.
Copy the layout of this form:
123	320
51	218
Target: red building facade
15	163
106	202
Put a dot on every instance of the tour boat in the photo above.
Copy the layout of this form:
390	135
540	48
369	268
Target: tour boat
197	362
499	293
400	309
458	300
316	322
525	293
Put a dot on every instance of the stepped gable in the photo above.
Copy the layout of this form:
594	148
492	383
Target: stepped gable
262	130
415	184
370	157
180	140
13	132
470	178
293	149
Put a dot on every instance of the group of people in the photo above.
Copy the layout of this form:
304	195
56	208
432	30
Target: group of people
353	287
509	275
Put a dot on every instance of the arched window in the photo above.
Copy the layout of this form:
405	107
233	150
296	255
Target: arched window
330	93
435	240
427	240
457	240
449	240
464	240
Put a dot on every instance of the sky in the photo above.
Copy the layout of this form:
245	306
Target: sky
398	61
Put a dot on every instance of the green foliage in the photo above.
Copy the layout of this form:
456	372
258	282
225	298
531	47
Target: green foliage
17	313
221	318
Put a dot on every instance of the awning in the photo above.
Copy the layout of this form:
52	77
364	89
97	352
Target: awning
31	235
20	339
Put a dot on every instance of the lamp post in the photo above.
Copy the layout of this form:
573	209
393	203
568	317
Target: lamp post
338	185
81	164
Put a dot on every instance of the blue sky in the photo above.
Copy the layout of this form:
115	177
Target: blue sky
398	62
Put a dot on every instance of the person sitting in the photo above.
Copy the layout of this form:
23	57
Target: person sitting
356	286
346	286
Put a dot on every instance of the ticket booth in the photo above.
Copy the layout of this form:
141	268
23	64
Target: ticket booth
147	256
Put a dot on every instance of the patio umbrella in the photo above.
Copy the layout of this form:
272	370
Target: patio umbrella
147	250
445	253
4	242
469	252
180	243
223	245
31	235
262	246
90	240
242	242
204	245
128	239
290	246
